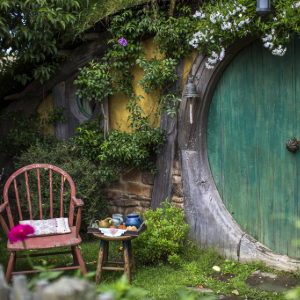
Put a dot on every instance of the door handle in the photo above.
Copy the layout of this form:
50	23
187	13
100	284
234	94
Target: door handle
293	145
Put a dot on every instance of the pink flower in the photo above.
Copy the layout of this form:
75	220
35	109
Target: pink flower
20	233
123	42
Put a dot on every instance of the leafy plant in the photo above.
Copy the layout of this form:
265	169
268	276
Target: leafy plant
55	115
119	150
121	290
166	230
79	168
24	131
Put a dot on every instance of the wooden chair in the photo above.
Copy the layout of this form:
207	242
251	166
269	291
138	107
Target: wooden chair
45	242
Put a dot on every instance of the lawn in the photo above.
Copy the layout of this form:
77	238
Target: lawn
162	280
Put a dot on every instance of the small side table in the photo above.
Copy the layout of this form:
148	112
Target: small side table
128	262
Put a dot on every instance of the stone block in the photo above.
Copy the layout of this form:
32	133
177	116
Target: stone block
148	178
176	179
117	186
136	209
114	194
131	203
180	205
115	210
177	199
176	168
139	189
177	189
133	175
137	197
145	203
117	202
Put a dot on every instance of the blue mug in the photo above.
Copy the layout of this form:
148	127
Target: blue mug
133	220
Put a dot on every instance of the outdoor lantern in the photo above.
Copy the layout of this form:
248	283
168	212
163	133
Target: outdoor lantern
263	7
190	93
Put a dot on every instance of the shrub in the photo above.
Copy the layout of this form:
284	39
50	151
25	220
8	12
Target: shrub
79	168
164	236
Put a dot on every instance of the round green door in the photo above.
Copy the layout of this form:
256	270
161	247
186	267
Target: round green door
255	110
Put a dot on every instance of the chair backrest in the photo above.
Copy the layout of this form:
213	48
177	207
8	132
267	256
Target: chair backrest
64	176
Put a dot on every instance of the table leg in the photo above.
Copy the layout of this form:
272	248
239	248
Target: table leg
131	258
126	261
99	263
106	247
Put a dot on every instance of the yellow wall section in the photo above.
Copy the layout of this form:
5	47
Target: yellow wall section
117	103
188	62
46	103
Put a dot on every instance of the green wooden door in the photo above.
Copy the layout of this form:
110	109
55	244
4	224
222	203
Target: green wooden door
254	111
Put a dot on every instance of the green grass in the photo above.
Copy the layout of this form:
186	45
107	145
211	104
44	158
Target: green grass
161	280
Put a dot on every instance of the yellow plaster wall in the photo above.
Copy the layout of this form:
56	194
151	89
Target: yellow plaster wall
46	103
188	62
117	103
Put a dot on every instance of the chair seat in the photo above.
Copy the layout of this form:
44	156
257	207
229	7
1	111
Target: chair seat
45	242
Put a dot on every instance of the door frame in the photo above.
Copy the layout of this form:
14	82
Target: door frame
211	224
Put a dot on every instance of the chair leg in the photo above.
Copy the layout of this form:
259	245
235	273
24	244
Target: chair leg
126	261
74	256
131	258
100	262
10	266
80	260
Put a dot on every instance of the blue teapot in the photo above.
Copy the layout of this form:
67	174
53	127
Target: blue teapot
133	220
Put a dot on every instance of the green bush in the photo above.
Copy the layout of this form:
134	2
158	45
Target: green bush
164	235
79	168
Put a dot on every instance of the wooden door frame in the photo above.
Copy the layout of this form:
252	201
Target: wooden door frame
211	224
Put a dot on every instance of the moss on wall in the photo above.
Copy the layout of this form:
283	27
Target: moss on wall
46	103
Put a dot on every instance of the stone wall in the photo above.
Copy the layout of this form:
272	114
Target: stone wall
133	191
177	196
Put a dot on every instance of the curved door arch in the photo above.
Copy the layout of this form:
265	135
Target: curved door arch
255	109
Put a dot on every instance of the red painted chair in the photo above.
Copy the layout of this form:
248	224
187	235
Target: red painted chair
45	242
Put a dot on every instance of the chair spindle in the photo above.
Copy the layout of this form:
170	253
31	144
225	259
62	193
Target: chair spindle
28	195
40	192
18	200
62	195
51	195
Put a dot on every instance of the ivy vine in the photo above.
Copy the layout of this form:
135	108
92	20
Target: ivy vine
120	150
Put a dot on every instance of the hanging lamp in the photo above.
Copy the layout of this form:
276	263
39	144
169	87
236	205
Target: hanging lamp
190	93
263	7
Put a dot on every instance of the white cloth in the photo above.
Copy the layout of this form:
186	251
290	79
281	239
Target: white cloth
48	227
112	231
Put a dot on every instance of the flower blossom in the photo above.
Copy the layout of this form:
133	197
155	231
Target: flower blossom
279	51
20	233
268	37
123	42
268	45
296	4
200	14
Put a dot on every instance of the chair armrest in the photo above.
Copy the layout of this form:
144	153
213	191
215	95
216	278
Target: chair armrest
77	202
3	206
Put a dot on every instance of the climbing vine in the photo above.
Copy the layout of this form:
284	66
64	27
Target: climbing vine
120	150
221	23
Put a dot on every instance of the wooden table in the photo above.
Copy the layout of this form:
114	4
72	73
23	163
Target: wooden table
128	262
